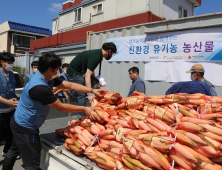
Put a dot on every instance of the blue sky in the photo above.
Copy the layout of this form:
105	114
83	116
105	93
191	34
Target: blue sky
209	6
41	12
31	12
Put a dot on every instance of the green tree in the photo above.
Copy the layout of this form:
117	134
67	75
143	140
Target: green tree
21	71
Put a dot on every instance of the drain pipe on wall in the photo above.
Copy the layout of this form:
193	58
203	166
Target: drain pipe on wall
148	5
58	25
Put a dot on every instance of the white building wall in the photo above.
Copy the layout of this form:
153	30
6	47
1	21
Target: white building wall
66	20
137	8
3	41
98	17
170	8
112	9
69	19
123	8
68	59
86	10
111	6
55	26
156	7
62	21
4	28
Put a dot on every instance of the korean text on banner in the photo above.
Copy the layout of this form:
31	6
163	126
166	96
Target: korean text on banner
189	45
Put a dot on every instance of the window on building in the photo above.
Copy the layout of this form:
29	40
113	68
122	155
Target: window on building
182	12
22	40
97	8
78	14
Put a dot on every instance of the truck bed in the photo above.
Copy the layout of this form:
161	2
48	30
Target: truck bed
51	140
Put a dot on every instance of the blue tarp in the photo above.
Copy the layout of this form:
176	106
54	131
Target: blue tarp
189	87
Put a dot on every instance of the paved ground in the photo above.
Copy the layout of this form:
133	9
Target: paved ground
18	163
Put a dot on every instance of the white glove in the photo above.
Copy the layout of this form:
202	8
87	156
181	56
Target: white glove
101	81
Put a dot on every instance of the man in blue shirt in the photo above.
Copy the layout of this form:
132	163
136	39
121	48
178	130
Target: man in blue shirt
197	74
63	76
33	108
34	66
7	97
138	83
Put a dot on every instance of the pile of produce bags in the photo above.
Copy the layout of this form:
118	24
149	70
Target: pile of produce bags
176	131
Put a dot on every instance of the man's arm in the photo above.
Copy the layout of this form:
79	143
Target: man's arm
65	94
44	95
88	75
70	108
79	88
140	87
9	102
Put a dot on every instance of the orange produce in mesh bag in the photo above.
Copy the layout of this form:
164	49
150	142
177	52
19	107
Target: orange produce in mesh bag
74	145
165	114
99	98
190	127
136	93
110	109
104	160
134	163
63	132
155	100
83	135
133	102
199	101
135	139
91	151
100	116
158	157
113	98
155	97
185	98
209	108
90	126
136	133
94	103
161	143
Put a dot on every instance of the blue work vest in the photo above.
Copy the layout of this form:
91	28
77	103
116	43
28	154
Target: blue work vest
7	89
68	92
31	113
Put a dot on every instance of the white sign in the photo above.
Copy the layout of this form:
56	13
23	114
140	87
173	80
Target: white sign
176	71
190	45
